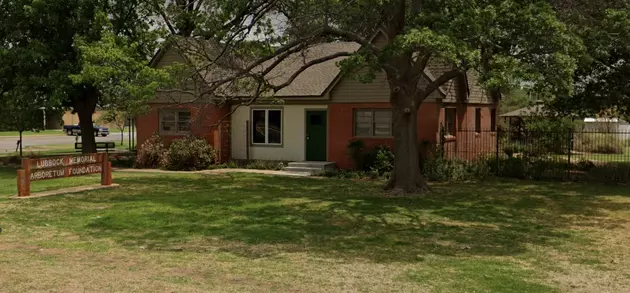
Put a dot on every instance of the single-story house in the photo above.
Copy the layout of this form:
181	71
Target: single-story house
320	113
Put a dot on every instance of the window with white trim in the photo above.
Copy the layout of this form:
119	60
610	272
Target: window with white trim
175	121
267	126
373	122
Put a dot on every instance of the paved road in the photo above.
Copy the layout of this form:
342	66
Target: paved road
7	144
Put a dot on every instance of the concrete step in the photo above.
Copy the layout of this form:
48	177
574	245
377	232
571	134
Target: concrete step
318	165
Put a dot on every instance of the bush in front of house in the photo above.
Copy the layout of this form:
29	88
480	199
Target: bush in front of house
443	169
151	154
122	161
189	154
265	165
382	164
599	143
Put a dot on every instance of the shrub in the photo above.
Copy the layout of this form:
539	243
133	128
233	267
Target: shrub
513	168
383	161
126	161
584	165
189	153
442	169
511	148
265	165
152	153
610	173
227	165
598	143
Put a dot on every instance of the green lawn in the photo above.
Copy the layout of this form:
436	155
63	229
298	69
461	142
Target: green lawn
31	133
609	158
255	233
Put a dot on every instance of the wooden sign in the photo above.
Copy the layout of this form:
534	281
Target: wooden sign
66	166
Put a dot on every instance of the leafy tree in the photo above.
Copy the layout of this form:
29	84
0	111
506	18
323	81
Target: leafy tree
117	118
83	52
514	99
504	42
602	75
21	114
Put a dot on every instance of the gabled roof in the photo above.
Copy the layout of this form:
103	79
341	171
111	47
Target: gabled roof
315	81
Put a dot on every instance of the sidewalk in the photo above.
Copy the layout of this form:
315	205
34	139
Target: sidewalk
216	171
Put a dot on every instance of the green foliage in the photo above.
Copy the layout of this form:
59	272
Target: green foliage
152	153
443	169
78	54
544	135
584	165
123	77
189	154
383	163
599	143
512	148
265	165
610	173
348	174
122	161
603	67
514	99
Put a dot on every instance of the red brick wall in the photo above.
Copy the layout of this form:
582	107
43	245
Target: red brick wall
341	130
467	142
203	117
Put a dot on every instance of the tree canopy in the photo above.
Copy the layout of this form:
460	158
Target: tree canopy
78	53
601	79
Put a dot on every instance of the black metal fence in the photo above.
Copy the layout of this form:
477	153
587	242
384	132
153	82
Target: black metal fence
567	154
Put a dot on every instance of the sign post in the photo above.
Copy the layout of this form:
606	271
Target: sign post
66	166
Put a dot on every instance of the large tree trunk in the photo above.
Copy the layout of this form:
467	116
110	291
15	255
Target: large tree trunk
85	107
406	176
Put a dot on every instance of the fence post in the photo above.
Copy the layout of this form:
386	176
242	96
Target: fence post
496	137
569	150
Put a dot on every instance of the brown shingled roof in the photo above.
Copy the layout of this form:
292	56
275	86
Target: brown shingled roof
316	79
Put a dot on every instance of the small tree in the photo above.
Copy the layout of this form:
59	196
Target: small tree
118	118
20	113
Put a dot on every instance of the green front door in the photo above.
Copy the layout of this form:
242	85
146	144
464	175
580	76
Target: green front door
316	135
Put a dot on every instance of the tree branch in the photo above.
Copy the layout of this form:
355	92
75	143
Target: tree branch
164	17
438	82
418	66
350	36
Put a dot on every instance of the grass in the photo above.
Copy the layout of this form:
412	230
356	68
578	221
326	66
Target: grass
255	233
32	133
608	158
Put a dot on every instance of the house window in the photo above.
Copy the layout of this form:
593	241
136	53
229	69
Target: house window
493	119
267	126
368	122
175	121
449	120
478	120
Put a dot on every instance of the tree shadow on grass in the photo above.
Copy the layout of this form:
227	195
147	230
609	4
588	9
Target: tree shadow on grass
255	216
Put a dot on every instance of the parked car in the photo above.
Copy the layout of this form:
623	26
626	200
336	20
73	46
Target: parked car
75	130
